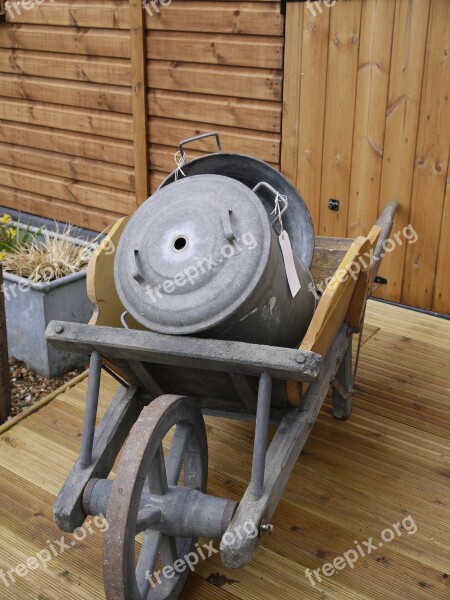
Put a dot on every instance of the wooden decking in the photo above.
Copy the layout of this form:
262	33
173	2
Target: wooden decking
354	479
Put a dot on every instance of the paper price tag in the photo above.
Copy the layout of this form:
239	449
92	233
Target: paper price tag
289	264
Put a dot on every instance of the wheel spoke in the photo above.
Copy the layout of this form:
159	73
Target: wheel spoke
157	477
147	516
169	551
177	452
147	560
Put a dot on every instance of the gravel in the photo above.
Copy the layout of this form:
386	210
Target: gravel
27	387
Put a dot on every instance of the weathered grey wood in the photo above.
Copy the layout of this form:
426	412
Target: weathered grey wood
333	243
205	386
328	255
109	438
145	378
245	391
90	411
180	512
261	433
216	355
5	386
281	457
342	386
214	385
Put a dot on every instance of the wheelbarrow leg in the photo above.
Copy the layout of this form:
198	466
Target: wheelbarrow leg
343	386
261	431
90	415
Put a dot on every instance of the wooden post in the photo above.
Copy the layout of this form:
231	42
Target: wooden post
5	389
139	101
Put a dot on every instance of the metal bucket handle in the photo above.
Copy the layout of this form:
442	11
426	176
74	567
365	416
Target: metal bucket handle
123	317
277	194
198	137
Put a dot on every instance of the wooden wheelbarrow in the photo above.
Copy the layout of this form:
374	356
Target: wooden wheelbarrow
167	382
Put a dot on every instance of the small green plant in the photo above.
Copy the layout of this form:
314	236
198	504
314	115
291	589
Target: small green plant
14	236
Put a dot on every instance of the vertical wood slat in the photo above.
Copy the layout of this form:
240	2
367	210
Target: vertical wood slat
370	114
5	389
339	115
139	100
407	64
292	86
432	155
311	109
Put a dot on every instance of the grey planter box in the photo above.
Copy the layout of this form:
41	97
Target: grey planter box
31	306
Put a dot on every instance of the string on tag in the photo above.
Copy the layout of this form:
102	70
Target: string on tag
286	246
277	209
180	160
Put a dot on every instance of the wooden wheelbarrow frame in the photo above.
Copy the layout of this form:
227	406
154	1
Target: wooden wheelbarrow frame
303	375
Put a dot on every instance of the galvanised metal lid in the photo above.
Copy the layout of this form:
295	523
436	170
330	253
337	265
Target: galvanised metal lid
192	254
251	171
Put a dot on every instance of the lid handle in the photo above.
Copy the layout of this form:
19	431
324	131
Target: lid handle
227	227
136	272
198	137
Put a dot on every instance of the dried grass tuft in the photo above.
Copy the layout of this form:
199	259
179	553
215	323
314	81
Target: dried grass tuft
49	258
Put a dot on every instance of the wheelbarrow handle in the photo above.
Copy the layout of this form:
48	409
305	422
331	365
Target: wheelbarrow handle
196	138
385	222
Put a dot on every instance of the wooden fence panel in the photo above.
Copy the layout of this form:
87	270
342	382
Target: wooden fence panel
214	65
95	96
430	169
382	69
67	147
71	39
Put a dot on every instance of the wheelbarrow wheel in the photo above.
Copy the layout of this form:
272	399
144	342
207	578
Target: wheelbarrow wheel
129	573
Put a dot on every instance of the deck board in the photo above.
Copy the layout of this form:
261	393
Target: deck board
353	479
